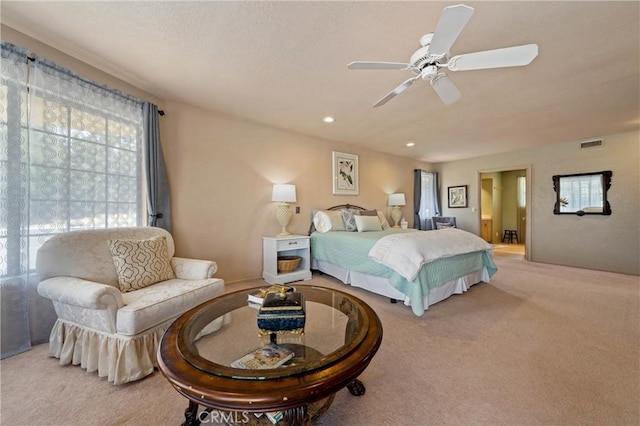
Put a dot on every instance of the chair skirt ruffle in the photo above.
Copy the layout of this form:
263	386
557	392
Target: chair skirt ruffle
121	359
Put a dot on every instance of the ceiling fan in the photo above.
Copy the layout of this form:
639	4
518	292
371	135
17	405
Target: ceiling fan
427	61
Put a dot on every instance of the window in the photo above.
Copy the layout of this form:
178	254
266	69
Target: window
71	157
429	205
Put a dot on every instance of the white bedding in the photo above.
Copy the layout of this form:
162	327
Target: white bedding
406	253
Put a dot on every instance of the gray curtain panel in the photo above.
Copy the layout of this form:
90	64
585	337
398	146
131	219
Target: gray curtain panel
158	197
436	195
417	197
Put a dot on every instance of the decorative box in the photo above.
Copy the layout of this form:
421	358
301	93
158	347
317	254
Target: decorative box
282	313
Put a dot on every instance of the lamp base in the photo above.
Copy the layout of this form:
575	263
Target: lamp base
396	215
284	216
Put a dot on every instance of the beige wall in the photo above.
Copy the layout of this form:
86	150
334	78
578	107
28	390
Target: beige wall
221	172
609	243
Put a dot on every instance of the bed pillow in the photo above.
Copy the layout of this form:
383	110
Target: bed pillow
328	220
349	219
322	222
383	220
368	213
368	223
141	263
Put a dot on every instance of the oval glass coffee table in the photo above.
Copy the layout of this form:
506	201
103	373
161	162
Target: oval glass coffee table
341	336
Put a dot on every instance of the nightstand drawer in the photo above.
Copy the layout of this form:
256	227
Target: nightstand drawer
298	243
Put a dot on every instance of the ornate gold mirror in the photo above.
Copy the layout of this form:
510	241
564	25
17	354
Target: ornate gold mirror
582	193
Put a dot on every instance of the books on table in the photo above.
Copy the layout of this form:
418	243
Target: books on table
269	356
257	297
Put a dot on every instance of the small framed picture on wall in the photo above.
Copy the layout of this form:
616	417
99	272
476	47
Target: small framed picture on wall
458	196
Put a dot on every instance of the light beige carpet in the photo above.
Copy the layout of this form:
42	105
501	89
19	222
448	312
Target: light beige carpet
539	345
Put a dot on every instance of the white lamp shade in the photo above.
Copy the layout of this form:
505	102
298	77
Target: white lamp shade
396	199
284	193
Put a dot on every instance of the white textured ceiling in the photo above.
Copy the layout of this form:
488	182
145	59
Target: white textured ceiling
284	64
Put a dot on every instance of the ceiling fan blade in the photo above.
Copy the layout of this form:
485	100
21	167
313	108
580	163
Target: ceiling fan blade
392	94
445	88
452	21
363	65
499	58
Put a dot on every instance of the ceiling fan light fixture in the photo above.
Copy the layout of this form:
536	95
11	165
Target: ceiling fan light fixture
429	72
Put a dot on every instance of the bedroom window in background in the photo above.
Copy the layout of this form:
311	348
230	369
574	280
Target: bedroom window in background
71	159
426	203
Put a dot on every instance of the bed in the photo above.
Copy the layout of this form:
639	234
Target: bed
368	260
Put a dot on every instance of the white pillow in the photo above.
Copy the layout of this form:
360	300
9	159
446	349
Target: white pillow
368	223
322	222
325	221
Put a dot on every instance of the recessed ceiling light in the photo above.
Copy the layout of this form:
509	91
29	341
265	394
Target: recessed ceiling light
328	119
410	144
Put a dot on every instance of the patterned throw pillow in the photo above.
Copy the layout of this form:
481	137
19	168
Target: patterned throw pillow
141	263
349	220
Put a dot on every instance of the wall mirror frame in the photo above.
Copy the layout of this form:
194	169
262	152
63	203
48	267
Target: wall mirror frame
582	193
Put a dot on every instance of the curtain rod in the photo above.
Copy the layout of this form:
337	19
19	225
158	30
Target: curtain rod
124	95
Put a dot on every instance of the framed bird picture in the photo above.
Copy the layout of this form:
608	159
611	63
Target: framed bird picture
345	174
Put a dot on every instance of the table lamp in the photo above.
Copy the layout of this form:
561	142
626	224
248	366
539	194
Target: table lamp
284	194
395	201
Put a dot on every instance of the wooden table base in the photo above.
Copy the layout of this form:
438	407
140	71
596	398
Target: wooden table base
305	415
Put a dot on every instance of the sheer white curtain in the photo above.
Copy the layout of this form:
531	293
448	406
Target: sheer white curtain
14	240
426	203
71	160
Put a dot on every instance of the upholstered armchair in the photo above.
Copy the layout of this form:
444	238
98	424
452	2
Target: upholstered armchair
440	222
115	292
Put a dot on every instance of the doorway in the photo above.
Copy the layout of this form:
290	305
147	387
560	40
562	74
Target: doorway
504	206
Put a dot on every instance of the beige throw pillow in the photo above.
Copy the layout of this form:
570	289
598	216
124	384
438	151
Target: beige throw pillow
141	263
368	223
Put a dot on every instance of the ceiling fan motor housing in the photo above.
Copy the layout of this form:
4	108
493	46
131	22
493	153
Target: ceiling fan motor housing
420	58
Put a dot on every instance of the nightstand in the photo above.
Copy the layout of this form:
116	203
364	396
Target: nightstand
293	245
